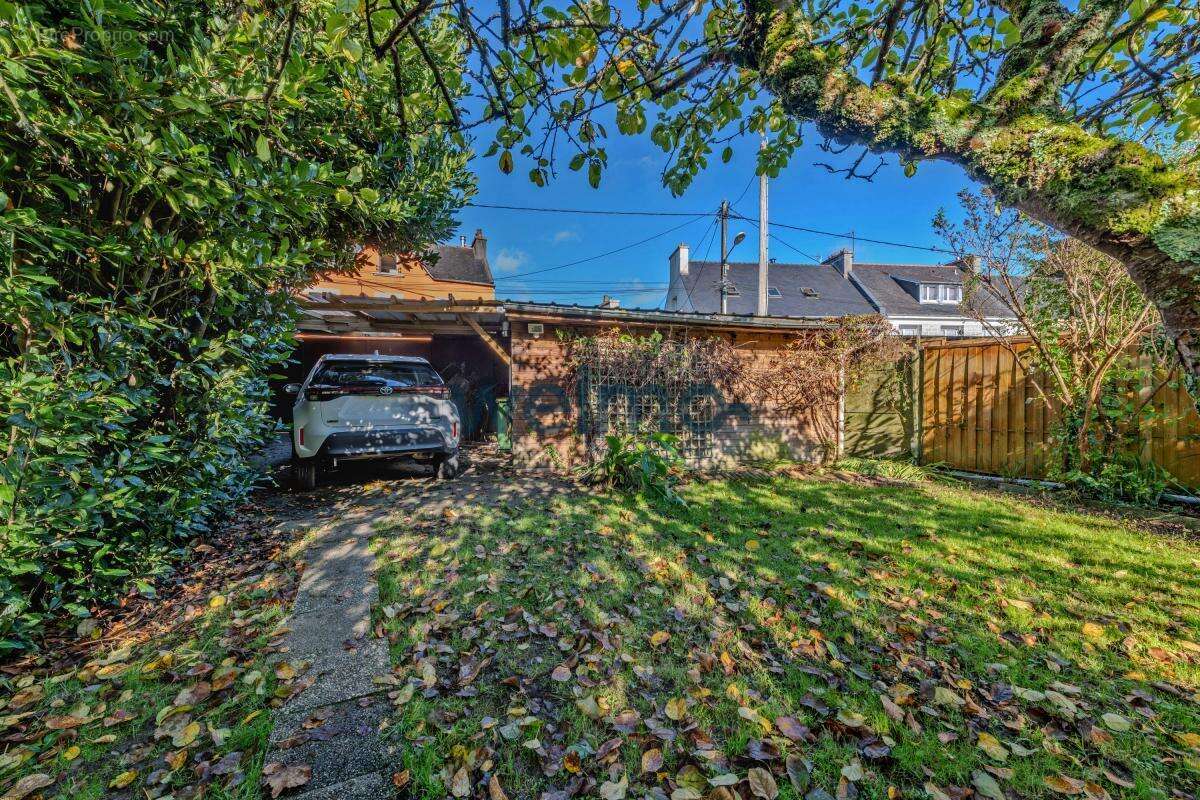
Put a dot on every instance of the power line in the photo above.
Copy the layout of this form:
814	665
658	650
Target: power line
786	243
847	235
605	254
603	212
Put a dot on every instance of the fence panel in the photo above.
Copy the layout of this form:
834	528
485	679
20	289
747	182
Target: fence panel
980	411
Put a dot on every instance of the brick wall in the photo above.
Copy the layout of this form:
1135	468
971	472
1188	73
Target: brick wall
546	422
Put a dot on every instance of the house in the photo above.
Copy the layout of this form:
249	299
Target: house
461	271
918	299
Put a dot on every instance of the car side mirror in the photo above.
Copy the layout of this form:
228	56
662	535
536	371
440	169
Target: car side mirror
292	388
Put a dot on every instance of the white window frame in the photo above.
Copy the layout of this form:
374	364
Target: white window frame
910	330
953	331
951	293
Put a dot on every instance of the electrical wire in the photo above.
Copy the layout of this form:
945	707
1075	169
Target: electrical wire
605	254
847	235
786	243
603	212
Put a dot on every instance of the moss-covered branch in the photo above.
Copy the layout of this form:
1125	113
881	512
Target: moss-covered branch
1115	195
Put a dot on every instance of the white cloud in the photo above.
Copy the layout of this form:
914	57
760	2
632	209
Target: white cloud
561	237
510	260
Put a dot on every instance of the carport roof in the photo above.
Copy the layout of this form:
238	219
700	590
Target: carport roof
333	314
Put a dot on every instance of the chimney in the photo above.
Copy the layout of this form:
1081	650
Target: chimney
462	240
610	302
679	261
479	245
843	260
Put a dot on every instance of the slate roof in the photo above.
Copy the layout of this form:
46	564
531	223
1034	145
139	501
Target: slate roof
886	284
455	263
836	297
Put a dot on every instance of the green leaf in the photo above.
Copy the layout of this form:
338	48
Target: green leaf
262	148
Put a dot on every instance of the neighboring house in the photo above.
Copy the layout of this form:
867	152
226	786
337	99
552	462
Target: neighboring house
919	300
460	271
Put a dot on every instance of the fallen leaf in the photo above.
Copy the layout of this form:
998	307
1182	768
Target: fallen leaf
659	638
986	785
561	673
1063	784
791	728
71	753
676	708
945	697
762	784
1117	722
1094	791
1093	631
402	779
124	779
280	778
495	792
652	760
460	784
28	785
614	790
992	746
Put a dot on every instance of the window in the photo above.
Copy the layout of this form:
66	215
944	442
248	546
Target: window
952	330
773	292
344	373
941	293
910	330
387	264
732	291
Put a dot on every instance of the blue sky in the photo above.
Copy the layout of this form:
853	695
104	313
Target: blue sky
891	207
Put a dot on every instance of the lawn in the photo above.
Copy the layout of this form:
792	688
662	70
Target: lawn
171	697
793	638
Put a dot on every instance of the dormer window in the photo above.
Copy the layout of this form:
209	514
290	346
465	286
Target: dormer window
387	264
941	293
733	291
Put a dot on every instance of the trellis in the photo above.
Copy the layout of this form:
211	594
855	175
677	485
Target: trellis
652	383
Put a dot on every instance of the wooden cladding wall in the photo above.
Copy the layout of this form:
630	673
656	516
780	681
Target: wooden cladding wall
981	412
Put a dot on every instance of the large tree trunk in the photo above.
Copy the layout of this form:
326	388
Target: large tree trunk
1115	195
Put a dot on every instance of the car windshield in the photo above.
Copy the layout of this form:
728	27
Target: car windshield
396	374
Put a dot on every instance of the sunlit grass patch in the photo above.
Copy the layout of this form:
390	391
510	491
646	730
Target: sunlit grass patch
792	637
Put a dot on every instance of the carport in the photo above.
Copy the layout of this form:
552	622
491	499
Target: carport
465	341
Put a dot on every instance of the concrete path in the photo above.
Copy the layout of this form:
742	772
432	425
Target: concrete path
333	725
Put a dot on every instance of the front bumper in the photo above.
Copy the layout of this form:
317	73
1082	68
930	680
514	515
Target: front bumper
389	442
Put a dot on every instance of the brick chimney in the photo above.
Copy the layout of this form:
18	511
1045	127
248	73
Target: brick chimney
480	245
843	261
610	302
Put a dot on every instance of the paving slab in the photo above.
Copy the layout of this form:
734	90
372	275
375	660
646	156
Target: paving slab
332	726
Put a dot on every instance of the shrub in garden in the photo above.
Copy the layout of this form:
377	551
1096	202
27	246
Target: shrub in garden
169	172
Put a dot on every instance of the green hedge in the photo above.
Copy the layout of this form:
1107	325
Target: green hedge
169	172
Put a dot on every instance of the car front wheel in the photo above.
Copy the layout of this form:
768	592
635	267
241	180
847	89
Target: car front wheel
304	472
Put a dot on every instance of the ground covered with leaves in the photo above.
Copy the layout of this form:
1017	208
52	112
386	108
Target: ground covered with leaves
791	638
170	696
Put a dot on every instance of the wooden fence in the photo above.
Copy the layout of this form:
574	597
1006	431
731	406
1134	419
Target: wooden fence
977	410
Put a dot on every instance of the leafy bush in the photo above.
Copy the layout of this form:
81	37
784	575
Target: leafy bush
168	172
1121	479
647	463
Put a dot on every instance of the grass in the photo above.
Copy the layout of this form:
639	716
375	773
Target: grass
763	626
176	703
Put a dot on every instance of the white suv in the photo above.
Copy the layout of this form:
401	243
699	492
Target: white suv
355	407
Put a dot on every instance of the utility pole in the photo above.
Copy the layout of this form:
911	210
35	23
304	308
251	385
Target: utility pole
724	215
762	236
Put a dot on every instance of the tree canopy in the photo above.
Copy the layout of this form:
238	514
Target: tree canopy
1060	108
